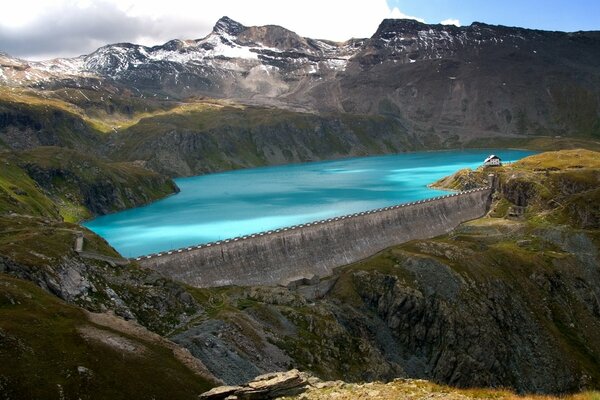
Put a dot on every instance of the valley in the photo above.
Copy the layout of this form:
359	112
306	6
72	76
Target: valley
494	271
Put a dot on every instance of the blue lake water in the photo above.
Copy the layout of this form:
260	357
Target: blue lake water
225	205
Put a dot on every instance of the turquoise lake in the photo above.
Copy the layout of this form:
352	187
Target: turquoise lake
225	205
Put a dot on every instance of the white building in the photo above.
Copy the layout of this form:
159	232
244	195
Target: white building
492	160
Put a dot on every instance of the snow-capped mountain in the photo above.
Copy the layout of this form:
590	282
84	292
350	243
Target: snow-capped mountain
229	51
435	78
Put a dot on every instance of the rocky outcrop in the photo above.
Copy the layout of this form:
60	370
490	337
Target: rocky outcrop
268	386
73	353
474	311
24	126
414	389
230	138
142	296
100	187
445	85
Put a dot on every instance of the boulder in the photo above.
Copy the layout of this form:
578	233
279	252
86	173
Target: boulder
267	386
220	392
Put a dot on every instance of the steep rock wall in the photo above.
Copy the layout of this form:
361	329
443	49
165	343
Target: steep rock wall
284	255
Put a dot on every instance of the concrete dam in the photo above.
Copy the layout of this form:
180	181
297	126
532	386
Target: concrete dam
299	252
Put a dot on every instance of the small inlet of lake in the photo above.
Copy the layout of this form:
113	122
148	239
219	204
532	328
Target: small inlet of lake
229	204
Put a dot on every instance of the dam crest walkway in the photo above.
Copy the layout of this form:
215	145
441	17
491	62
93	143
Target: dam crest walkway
283	255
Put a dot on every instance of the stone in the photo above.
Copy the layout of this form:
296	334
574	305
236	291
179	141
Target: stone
267	386
83	370
220	392
328	384
277	379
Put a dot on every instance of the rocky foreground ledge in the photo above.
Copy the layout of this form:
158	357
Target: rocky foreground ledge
267	386
296	385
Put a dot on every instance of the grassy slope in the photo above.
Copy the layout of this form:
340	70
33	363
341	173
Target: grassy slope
42	242
52	181
557	187
420	390
104	111
224	135
48	123
21	195
511	253
50	350
230	137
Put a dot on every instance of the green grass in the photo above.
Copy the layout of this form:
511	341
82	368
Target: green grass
539	143
560	160
231	137
424	389
42	350
20	194
68	183
101	111
47	123
560	187
40	242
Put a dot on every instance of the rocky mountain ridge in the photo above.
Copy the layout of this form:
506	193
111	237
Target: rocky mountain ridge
437	80
229	49
406	41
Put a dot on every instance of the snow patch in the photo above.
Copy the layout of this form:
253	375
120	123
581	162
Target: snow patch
225	46
337	64
68	66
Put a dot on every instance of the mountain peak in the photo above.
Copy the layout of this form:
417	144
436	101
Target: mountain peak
229	26
399	25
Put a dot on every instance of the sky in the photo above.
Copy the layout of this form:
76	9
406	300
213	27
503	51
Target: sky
43	29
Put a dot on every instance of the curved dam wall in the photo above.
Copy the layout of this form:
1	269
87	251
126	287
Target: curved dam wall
303	251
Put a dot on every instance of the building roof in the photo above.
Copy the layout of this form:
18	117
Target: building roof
491	157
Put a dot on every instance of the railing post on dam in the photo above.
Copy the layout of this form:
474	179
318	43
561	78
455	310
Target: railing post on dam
316	248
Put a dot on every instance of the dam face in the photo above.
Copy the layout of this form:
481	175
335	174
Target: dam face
290	254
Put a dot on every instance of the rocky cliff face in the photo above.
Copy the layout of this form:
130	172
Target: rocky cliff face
473	80
25	126
229	138
99	187
55	182
467	311
89	185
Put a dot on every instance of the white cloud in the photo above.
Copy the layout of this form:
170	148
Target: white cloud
396	13
48	28
450	21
